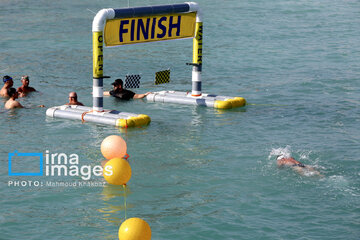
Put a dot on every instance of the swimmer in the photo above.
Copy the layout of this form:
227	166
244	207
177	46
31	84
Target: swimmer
124	94
73	99
25	89
283	161
8	83
12	103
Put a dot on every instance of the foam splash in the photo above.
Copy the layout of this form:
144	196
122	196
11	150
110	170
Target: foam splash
309	171
304	155
338	181
286	152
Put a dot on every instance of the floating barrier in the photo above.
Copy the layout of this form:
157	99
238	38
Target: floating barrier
117	27
108	117
207	100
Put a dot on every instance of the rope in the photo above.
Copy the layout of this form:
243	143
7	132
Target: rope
270	105
84	113
124	186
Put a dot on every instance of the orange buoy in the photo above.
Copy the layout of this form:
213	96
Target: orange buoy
113	146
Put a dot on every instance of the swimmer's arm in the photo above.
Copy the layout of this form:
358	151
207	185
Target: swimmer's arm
309	168
21	92
17	105
38	106
139	96
299	170
106	93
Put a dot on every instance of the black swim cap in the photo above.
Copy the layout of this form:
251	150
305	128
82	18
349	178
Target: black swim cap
118	82
11	91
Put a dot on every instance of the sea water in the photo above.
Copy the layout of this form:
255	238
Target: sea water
197	173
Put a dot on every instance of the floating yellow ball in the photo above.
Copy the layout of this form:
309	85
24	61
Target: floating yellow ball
117	171
134	229
113	147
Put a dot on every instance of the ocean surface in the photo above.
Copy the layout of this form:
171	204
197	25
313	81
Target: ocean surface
197	173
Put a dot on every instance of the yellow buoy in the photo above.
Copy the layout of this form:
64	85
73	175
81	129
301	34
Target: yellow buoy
240	101
134	229
222	104
117	171
113	147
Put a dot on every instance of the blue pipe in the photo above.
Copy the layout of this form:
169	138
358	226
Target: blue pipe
151	10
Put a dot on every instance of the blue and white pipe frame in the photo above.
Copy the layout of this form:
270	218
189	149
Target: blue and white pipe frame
196	97
197	50
98	71
107	14
98	64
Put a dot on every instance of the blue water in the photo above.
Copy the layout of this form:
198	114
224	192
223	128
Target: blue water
198	173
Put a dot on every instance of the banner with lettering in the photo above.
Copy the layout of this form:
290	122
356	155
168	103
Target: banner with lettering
149	29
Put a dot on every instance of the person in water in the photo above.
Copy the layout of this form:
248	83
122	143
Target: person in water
73	99
12	103
25	89
124	94
283	161
8	83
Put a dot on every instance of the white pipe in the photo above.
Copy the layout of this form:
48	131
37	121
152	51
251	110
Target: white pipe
194	7
97	91
100	19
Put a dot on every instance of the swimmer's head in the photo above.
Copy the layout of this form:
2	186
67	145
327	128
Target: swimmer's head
12	92
25	80
118	83
73	96
8	80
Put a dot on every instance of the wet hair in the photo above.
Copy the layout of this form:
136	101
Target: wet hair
11	91
118	82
